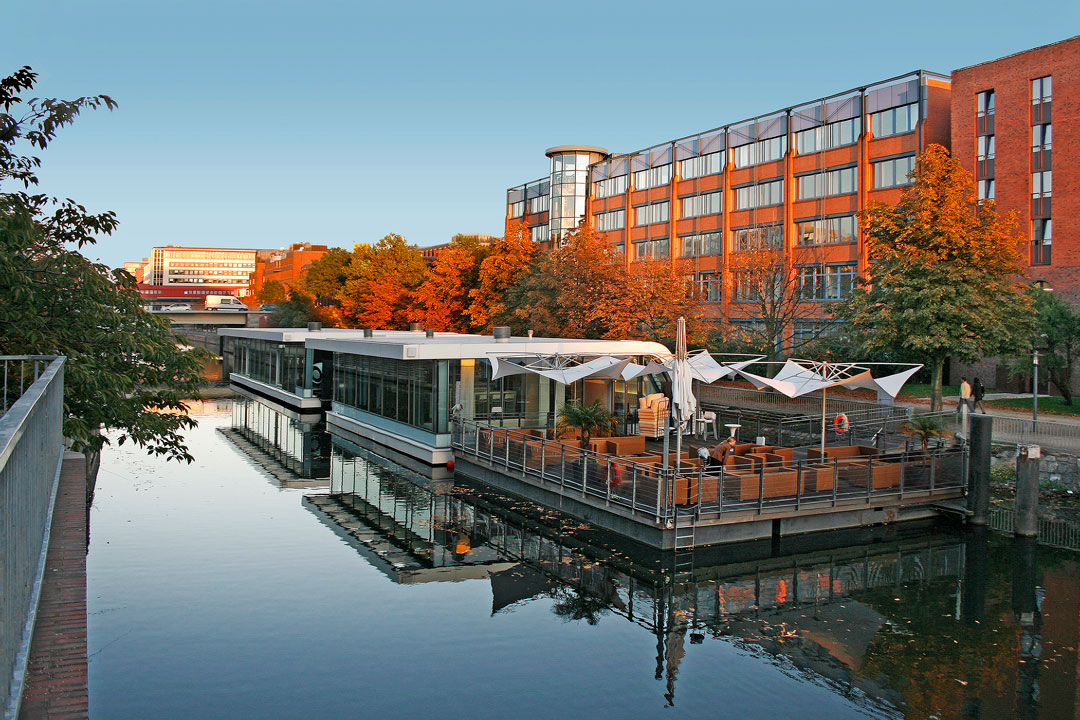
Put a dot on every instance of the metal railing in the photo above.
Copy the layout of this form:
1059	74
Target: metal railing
1009	430
1053	532
31	450
642	485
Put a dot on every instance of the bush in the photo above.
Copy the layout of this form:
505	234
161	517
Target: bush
1003	473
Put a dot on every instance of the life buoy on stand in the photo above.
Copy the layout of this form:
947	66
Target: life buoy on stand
616	475
841	423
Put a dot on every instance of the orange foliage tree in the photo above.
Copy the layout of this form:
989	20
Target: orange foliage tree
505	263
380	291
945	275
444	299
654	296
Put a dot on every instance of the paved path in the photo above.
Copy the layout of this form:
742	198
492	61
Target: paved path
56	685
951	401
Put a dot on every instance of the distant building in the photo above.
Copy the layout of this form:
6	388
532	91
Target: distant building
189	274
284	266
137	270
431	252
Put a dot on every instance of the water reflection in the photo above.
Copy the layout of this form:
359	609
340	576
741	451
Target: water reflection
899	625
297	441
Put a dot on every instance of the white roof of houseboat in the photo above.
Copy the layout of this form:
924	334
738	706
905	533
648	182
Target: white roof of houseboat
415	345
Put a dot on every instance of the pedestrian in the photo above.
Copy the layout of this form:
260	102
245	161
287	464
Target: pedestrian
965	396
978	392
718	455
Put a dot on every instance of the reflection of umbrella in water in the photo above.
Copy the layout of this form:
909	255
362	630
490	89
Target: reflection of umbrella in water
517	584
801	377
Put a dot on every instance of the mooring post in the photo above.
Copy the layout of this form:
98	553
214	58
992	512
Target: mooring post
1027	490
979	470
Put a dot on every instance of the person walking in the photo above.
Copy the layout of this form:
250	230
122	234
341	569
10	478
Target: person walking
965	396
978	392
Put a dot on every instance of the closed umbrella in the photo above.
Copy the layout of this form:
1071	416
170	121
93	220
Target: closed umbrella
683	402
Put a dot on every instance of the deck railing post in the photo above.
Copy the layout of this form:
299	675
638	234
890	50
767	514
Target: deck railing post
562	467
835	478
506	449
902	476
476	440
869	479
659	494
761	487
700	477
798	485
543	459
720	491
633	490
584	472
607	490
933	468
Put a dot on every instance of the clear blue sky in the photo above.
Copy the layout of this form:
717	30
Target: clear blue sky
258	124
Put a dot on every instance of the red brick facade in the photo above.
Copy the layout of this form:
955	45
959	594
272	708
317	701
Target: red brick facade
1014	120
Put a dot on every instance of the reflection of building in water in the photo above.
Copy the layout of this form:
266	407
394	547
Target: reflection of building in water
803	607
298	441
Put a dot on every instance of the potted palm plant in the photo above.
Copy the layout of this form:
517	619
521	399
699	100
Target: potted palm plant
587	420
924	428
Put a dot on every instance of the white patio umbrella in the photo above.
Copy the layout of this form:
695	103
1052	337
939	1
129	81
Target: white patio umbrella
801	377
683	402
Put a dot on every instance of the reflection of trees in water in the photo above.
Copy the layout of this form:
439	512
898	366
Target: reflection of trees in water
573	604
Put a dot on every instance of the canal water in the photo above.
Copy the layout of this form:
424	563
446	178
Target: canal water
235	587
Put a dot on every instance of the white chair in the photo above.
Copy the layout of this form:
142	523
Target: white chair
708	420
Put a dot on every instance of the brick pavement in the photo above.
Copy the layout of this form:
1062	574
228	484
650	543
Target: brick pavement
56	678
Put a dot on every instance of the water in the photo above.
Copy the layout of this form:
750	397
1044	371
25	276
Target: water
229	588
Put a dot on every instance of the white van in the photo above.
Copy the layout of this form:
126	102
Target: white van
224	302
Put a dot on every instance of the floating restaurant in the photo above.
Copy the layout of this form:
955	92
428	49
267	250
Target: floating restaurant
487	407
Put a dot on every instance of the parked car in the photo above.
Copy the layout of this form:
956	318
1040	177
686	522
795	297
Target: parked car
267	308
224	302
176	307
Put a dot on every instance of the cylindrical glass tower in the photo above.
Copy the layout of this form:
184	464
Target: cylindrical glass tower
569	183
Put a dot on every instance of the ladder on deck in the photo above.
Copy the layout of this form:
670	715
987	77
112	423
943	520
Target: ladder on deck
685	532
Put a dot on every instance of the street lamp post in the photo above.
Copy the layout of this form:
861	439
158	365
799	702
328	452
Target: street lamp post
1035	388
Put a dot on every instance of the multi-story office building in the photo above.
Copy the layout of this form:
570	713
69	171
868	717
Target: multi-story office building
283	266
1016	125
790	181
190	274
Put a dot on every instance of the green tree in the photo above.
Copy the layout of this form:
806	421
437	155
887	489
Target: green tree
126	371
944	276
272	291
326	277
1058	328
297	311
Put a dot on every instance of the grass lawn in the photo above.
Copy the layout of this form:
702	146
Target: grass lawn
912	391
1048	405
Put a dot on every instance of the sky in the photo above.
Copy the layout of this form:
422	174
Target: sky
260	124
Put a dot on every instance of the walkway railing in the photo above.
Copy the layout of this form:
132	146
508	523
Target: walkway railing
643	486
31	450
1049	434
1053	532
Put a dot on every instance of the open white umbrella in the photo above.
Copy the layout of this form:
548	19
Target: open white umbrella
800	377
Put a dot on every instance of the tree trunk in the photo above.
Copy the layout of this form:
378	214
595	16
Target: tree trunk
936	369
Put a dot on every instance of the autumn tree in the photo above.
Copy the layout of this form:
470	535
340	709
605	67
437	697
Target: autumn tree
272	291
654	296
571	291
944	277
380	291
444	299
125	371
507	260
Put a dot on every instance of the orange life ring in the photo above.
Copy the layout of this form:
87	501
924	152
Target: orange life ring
841	423
616	474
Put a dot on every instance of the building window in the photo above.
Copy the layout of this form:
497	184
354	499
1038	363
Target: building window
609	187
703	165
1040	241
614	220
985	150
540	233
762	151
894	173
539	204
832	182
619	247
986	189
745	289
763	237
711	286
653	177
651	249
517	209
984	103
829	136
1040	184
829	282
1041	137
762	195
649	214
1040	90
895	121
828	231
704	204
703	244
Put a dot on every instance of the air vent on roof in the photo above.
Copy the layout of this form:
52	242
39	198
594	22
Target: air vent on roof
416	327
429	333
367	332
314	327
501	334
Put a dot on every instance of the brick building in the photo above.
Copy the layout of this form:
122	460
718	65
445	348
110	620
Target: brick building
789	181
285	266
189	274
1016	126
